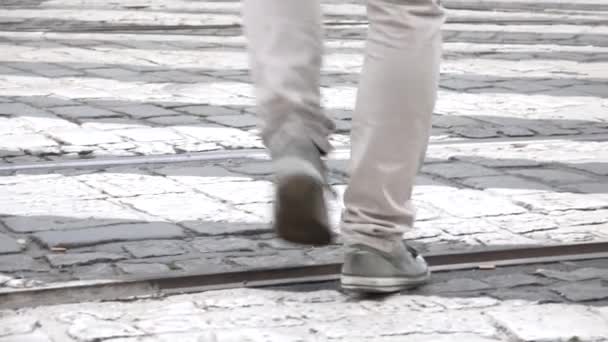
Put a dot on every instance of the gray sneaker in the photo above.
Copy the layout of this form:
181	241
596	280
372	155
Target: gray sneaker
367	269
300	209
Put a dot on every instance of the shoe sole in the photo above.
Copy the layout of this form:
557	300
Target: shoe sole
381	284
301	212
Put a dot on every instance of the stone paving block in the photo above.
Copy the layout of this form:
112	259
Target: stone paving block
36	336
476	132
225	136
204	110
69	215
524	223
206	265
83	111
186	146
471	203
139	111
92	329
554	176
513	280
16	325
284	259
458	226
550	322
111	124
175	120
72	259
131	184
583	292
99	235
118	73
370	326
505	185
198	175
502	238
543	296
240	192
224	244
261	168
147	249
588	188
438	337
515	132
577	275
9	245
142	269
562	201
94	272
226	228
46	121
13	263
192	207
580	217
22	142
600	168
458	170
153	148
85	137
40	189
496	162
327	255
237	121
150	134
21	109
456	285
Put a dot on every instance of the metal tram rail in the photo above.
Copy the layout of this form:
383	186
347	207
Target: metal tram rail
257	153
162	285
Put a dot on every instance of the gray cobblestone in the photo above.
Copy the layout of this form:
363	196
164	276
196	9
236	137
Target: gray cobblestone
98	235
505	185
583	292
553	176
458	170
13	263
556	201
513	280
9	245
71	259
139	269
576	275
205	265
147	249
78	112
238	121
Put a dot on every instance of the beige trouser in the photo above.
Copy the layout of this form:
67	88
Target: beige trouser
395	100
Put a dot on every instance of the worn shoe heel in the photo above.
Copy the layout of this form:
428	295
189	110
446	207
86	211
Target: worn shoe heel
301	211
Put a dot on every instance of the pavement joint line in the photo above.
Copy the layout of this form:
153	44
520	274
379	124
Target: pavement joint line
257	153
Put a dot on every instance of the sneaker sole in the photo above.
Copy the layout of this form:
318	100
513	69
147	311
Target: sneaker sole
301	211
381	284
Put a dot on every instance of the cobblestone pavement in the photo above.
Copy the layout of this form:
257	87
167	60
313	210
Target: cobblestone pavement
546	303
519	155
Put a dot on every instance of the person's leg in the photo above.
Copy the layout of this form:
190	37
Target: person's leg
391	125
285	46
